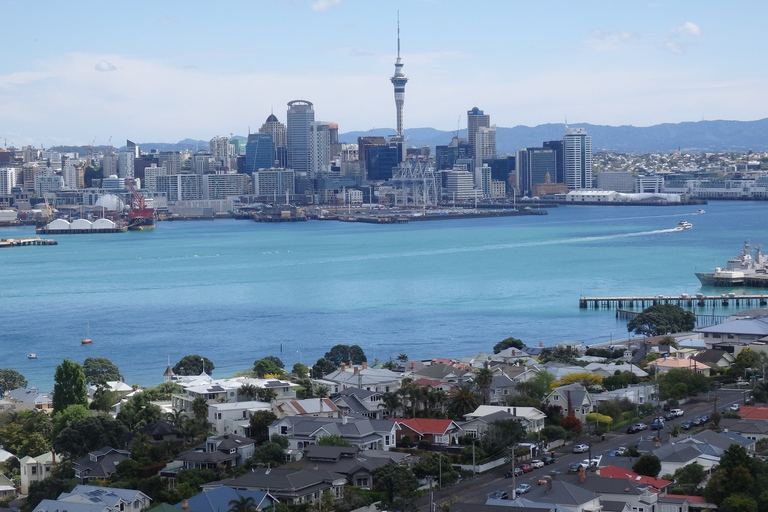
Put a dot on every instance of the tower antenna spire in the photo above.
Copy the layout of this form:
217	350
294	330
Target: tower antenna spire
398	82
398	34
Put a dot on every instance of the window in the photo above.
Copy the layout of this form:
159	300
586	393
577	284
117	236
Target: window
556	398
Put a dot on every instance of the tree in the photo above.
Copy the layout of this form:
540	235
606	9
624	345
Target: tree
738	503
399	483
48	489
484	379
670	341
537	386
463	400
436	466
100	370
67	416
69	386
267	366
259	423
193	365
402	357
242	504
586	379
345	354
571	424
200	408
10	380
269	453
681	382
690	475
648	465
88	434
138	411
662	319
300	370
558	355
322	368
502	434
508	343
333	440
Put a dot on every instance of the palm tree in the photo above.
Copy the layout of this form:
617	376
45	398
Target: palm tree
200	408
391	402
242	504
247	390
463	400
176	418
484	379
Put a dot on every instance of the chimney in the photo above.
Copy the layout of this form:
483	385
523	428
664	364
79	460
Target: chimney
185	504
343	367
413	365
365	365
514	411
356	369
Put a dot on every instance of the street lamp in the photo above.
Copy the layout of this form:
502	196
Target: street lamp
300	360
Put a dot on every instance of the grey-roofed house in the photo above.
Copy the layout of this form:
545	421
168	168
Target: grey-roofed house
228	449
735	332
26	399
531	417
638	497
573	397
291	487
99	465
34	469
372	379
114	499
356	465
7	488
674	456
566	495
361	402
720	440
365	433
754	429
476	427
712	357
57	506
218	498
443	373
608	369
502	386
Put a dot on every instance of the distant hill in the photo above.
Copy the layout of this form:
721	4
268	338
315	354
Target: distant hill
696	137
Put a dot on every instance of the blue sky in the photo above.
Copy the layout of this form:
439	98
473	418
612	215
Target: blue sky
166	70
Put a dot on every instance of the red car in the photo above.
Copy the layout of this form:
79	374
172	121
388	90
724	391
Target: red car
527	468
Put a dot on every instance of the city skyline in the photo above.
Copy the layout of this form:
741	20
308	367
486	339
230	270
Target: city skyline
171	71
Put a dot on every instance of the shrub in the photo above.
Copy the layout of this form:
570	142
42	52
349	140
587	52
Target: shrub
571	424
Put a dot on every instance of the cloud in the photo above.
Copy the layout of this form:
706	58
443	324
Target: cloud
103	65
324	5
688	28
673	47
611	39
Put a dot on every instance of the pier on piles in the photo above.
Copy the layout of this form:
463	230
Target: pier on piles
684	300
17	242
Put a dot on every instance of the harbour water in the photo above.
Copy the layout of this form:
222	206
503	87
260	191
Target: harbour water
235	291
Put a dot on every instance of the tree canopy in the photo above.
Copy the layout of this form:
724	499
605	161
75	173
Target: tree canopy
647	465
537	386
193	365
88	434
346	353
10	380
399	483
100	370
322	368
69	386
508	343
662	319
269	365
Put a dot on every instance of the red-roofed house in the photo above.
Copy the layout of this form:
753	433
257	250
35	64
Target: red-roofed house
616	472
435	431
683	503
754	412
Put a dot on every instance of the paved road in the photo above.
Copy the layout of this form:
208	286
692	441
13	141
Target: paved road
477	489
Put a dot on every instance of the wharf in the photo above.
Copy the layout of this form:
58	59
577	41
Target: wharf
17	242
44	231
684	300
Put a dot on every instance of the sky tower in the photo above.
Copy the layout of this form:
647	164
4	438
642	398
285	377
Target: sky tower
399	81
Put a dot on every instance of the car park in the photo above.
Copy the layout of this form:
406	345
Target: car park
522	489
581	448
499	495
536	463
547	460
527	468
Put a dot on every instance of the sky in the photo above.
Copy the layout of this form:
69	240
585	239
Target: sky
76	73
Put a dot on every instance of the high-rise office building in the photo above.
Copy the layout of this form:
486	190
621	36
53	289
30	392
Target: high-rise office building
485	144
8	176
477	119
300	117
259	152
557	146
577	158
398	82
534	166
125	164
221	150
319	149
279	138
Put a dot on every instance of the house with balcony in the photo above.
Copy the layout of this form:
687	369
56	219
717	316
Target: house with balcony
99	465
88	498
365	433
228	449
234	417
378	380
35	469
226	390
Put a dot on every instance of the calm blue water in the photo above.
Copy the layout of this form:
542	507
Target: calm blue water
233	290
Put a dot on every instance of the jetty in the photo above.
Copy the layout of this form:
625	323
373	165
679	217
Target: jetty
683	300
17	242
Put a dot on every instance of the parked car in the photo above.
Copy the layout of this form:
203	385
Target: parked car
734	407
704	419
522	489
513	472
686	425
576	466
669	416
548	460
657	424
677	412
527	468
614	453
536	463
499	495
643	426
633	429
581	448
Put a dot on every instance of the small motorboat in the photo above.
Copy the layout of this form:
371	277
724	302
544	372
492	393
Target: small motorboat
700	212
683	224
32	356
86	341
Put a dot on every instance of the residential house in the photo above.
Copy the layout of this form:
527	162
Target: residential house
99	465
225	390
290	487
616	494
720	441
518	373
361	402
56	506
365	433
573	398
114	386
218	499
684	503
308	407
742	331
560	370
667	363
116	500
23	399
360	376
228	449
569	496
754	429
502	386
659	484
531	417
235	417
609	369
674	456
7	488
754	412
635	393
447	373
35	469
477	426
435	431
717	358
356	465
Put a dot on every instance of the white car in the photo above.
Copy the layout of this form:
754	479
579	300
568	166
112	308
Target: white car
581	448
677	412
536	463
